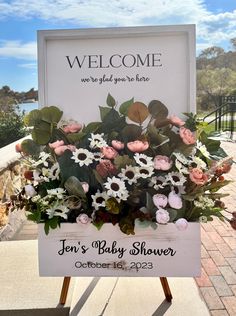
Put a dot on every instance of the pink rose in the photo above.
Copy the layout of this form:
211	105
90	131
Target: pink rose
117	144
187	136
138	146
61	149
105	167
198	176
72	128
160	200
162	216
109	152
162	163
175	120
85	186
181	224
175	200
56	144
83	218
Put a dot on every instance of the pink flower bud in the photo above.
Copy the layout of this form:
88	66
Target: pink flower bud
117	144
175	200
72	128
83	219
109	152
181	224
18	148
160	200
85	186
187	136
162	216
56	144
138	146
175	120
162	163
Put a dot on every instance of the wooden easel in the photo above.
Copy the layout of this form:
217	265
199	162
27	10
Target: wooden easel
66	283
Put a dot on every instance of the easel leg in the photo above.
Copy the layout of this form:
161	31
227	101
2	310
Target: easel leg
64	290
166	288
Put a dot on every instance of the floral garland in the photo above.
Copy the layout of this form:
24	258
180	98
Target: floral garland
137	167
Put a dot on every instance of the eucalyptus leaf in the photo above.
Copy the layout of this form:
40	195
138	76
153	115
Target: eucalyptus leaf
30	147
138	112
110	101
124	107
33	118
131	132
51	114
104	111
157	109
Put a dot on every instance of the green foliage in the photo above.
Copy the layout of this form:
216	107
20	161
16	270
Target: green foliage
11	128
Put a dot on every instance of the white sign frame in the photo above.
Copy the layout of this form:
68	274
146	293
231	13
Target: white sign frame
179	251
46	38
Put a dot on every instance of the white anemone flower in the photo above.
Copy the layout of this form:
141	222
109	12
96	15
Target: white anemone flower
99	199
54	172
202	148
58	192
143	160
97	141
57	210
82	157
129	173
158	182
176	178
199	162
42	159
116	188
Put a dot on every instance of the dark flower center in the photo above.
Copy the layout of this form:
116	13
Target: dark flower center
159	182
175	178
143	160
82	156
129	174
115	186
100	199
144	171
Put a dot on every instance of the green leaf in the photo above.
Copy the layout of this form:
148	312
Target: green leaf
110	101
33	118
46	227
75	137
53	222
157	109
131	132
98	225
30	147
74	187
91	127
123	161
141	224
51	114
172	213
40	136
125	107
104	111
98	177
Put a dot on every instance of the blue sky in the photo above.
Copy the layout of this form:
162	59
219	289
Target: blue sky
20	20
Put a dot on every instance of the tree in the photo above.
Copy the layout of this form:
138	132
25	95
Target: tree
212	83
211	52
233	43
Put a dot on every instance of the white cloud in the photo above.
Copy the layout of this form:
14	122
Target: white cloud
19	50
212	28
28	65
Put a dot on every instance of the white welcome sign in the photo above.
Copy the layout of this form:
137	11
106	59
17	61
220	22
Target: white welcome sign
82	250
78	68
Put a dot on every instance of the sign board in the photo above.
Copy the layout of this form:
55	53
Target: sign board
82	250
78	68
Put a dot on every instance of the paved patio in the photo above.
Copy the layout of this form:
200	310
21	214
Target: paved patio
217	284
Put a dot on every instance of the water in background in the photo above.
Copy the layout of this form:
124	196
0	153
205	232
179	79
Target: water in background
27	107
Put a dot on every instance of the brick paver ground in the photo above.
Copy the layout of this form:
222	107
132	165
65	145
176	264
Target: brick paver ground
217	283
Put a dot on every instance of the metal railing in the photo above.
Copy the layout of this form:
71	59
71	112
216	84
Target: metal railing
224	116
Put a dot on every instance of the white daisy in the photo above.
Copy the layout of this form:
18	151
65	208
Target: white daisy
176	178
82	157
158	182
45	174
145	172
58	192
57	210
129	174
143	160
99	199
97	141
116	188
